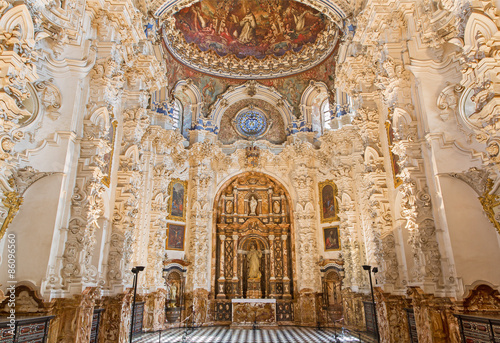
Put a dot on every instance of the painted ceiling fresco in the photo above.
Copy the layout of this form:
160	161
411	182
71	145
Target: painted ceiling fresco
250	28
290	87
250	39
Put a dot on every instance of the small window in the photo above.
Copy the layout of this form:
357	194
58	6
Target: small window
326	113
251	123
175	113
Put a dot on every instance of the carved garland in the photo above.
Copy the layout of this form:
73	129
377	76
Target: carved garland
489	201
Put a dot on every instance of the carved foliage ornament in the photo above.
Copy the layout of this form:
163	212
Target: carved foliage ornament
21	180
491	205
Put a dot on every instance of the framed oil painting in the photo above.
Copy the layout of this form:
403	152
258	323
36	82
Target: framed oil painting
331	237
328	201
108	158
394	158
175	237
177	202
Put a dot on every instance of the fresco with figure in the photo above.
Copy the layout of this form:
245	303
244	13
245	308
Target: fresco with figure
290	87
175	237
328	201
177	203
250	28
331	237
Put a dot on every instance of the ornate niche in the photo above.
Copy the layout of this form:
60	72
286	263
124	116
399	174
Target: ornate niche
332	276
253	257
174	273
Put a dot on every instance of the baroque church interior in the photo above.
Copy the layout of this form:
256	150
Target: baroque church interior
330	163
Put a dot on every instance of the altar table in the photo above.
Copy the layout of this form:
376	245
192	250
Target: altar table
247	312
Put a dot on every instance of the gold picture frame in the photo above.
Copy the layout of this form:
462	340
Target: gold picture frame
175	236
331	238
329	207
177	189
394	159
106	180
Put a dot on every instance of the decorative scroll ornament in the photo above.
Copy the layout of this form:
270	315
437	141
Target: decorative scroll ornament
484	186
491	203
21	180
252	156
12	202
17	97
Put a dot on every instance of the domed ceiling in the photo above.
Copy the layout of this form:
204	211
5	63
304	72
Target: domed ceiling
244	39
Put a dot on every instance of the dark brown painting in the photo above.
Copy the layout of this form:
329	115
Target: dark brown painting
175	237
332	240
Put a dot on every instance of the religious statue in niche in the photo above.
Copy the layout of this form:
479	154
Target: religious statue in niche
253	206
276	206
173	295
229	207
253	258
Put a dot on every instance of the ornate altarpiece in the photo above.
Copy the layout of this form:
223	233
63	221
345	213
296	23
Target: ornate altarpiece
254	210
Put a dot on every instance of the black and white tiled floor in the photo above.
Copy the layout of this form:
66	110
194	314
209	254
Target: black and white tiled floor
226	335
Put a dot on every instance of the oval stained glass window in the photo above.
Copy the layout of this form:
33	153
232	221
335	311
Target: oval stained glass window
251	123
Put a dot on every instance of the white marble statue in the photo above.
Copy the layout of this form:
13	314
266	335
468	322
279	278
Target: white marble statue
253	258
253	206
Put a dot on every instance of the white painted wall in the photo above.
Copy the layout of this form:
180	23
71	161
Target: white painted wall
34	227
475	243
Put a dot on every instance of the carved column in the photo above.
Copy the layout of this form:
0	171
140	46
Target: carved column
306	228
74	316
125	221
154	311
417	210
431	316
93	174
116	318
376	216
222	272
202	177
272	277
286	278
234	280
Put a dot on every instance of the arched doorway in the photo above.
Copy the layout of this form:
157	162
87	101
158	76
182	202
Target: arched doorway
332	295
253	255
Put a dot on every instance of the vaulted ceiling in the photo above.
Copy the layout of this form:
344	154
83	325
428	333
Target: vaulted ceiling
255	39
251	39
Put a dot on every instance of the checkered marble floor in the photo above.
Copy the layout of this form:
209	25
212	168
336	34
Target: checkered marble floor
227	335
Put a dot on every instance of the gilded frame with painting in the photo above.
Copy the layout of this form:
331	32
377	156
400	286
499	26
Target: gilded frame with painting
175	237
331	238
177	202
329	207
